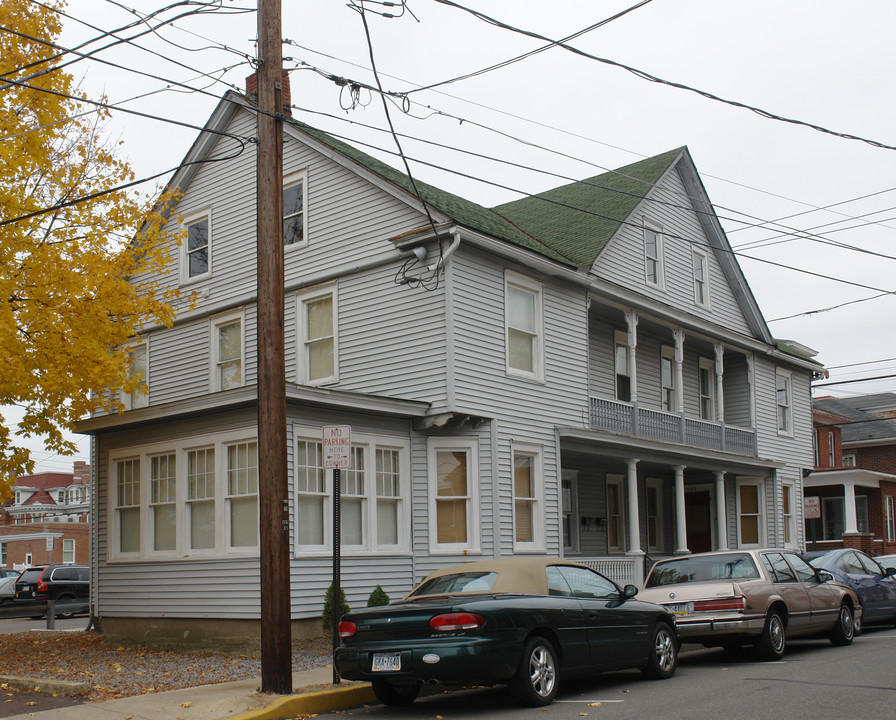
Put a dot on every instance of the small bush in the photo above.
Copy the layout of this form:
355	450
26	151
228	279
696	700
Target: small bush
378	597
327	617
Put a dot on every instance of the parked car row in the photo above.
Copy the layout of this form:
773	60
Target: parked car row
528	622
65	583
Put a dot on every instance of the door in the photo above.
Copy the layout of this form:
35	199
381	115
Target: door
698	519
792	591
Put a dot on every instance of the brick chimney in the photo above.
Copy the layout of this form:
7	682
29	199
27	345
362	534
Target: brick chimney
285	94
81	471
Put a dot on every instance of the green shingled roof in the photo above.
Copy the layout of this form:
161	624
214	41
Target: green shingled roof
556	216
551	223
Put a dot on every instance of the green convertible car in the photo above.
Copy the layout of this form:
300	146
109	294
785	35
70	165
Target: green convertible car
523	621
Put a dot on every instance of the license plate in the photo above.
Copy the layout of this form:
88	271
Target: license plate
386	662
679	608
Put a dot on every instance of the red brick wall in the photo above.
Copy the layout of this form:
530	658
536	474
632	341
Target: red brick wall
823	443
17	549
881	458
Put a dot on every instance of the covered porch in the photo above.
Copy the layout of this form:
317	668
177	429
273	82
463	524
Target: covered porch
629	502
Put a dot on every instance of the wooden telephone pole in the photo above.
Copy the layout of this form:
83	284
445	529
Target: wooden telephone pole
276	627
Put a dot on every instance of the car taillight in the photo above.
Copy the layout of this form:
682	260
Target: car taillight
449	622
41	586
732	603
347	629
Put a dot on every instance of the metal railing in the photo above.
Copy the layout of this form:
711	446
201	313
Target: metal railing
37	609
628	418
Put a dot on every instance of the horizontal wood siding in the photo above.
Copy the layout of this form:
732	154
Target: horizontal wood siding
622	261
737	391
796	449
601	371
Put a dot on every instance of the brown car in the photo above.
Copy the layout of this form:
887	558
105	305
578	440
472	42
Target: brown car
752	597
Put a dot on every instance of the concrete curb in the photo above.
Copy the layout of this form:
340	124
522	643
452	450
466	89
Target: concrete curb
54	687
313	703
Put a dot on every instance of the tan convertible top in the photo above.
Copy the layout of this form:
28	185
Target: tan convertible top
515	575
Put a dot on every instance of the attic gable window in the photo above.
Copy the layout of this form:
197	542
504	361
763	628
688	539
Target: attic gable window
294	216
197	247
701	277
653	255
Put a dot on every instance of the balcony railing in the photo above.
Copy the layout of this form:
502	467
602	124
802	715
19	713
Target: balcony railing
630	419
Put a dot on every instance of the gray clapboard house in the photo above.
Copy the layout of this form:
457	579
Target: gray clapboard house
589	377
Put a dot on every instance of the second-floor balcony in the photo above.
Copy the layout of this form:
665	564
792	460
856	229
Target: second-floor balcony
629	419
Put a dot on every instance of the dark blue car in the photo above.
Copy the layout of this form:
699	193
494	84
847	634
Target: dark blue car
875	585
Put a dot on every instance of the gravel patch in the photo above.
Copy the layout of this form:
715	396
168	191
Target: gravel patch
113	672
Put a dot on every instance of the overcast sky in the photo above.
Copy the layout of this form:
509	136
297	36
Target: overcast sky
785	193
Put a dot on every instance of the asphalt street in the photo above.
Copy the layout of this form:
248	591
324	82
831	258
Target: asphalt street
814	680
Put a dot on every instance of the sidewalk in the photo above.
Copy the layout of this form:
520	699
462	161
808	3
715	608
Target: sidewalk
313	693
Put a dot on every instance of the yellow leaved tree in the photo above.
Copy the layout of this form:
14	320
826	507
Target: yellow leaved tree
66	246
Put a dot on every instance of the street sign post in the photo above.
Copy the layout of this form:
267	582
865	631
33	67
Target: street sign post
812	511
337	452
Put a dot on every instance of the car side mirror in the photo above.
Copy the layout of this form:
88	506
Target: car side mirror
889	572
629	591
824	576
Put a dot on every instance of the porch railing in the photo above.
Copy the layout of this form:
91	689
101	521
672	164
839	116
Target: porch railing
621	570
628	418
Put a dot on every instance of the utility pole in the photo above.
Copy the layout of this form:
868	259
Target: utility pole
276	622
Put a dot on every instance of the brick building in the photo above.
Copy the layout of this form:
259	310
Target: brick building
47	519
855	473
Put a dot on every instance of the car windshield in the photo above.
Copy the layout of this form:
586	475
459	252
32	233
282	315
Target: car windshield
735	566
465	582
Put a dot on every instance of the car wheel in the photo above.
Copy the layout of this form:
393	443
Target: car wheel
770	645
663	657
536	680
844	631
389	694
64	599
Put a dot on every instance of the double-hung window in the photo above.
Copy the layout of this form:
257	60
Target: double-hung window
615	514
523	324
163	501
68	550
137	395
528	531
787	515
127	505
227	351
890	508
654	497
294	217
318	346
783	397
748	513
242	494
200	500
623	366
700	267
667	379
373	495
653	254
706	383
453	495
197	247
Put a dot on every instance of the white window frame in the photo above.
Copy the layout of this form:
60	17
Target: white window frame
521	283
215	323
303	342
709	365
618	481
469	446
787	405
831	457
655	484
117	506
657	231
3	556
187	502
535	453
890	517
620	342
68	556
181	448
789	519
172	464
137	399
185	277
244	491
700	258
668	393
759	514
848	460
367	445
290	181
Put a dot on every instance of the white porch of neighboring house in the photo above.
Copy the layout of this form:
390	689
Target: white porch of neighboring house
844	511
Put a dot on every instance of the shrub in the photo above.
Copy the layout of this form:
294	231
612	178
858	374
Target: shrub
327	617
377	597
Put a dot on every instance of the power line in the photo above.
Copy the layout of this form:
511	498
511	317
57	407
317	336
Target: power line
848	382
653	78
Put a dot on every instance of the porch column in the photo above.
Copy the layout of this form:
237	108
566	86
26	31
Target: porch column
720	387
631	321
681	529
634	525
678	334
721	512
850	523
